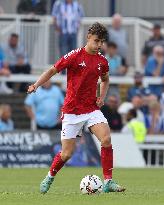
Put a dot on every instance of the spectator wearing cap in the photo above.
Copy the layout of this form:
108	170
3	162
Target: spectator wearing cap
156	39
155	67
138	88
118	35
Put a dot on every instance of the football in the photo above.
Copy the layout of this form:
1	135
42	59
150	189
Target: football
91	184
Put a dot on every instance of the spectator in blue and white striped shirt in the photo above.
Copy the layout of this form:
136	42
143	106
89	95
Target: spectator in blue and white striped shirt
155	118
67	16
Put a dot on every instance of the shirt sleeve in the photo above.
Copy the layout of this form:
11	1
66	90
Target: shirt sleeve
64	62
105	67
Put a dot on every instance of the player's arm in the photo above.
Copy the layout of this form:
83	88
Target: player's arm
104	85
42	79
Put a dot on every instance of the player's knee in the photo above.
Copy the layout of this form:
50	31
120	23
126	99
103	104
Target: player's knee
66	155
106	141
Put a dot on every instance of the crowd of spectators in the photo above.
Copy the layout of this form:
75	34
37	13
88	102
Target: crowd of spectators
13	60
143	110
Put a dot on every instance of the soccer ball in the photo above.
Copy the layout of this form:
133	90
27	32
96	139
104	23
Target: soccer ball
91	184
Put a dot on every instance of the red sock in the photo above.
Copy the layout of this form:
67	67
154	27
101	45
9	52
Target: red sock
57	164
107	161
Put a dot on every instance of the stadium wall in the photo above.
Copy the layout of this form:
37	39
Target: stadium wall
140	8
93	8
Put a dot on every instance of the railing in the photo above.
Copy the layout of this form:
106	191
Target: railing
127	80
154	147
138	32
36	34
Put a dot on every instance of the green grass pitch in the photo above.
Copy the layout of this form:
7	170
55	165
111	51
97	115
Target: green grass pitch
21	187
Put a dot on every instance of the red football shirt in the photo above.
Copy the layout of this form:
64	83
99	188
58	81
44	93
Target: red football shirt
83	71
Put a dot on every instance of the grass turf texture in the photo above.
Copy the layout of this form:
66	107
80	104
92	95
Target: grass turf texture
21	187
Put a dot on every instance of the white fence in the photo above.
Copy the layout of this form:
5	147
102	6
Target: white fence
33	32
153	149
37	35
131	155
138	32
62	79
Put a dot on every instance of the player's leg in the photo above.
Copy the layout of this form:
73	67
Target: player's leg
102	132
68	146
100	128
68	138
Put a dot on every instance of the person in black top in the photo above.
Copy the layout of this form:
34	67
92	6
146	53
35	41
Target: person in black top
156	39
110	112
32	7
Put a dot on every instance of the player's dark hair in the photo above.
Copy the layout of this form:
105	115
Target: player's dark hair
99	30
15	35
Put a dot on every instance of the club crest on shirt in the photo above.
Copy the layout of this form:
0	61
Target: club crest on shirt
99	66
82	64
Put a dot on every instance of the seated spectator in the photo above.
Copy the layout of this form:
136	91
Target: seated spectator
162	101
44	106
110	112
136	103
155	118
117	64
135	126
147	98
156	39
4	71
118	35
6	124
138	88
16	57
155	67
32	7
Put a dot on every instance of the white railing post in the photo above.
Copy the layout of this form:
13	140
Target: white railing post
137	51
80	36
18	24
46	41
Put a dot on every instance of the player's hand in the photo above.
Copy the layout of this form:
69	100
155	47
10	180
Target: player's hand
31	89
100	102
